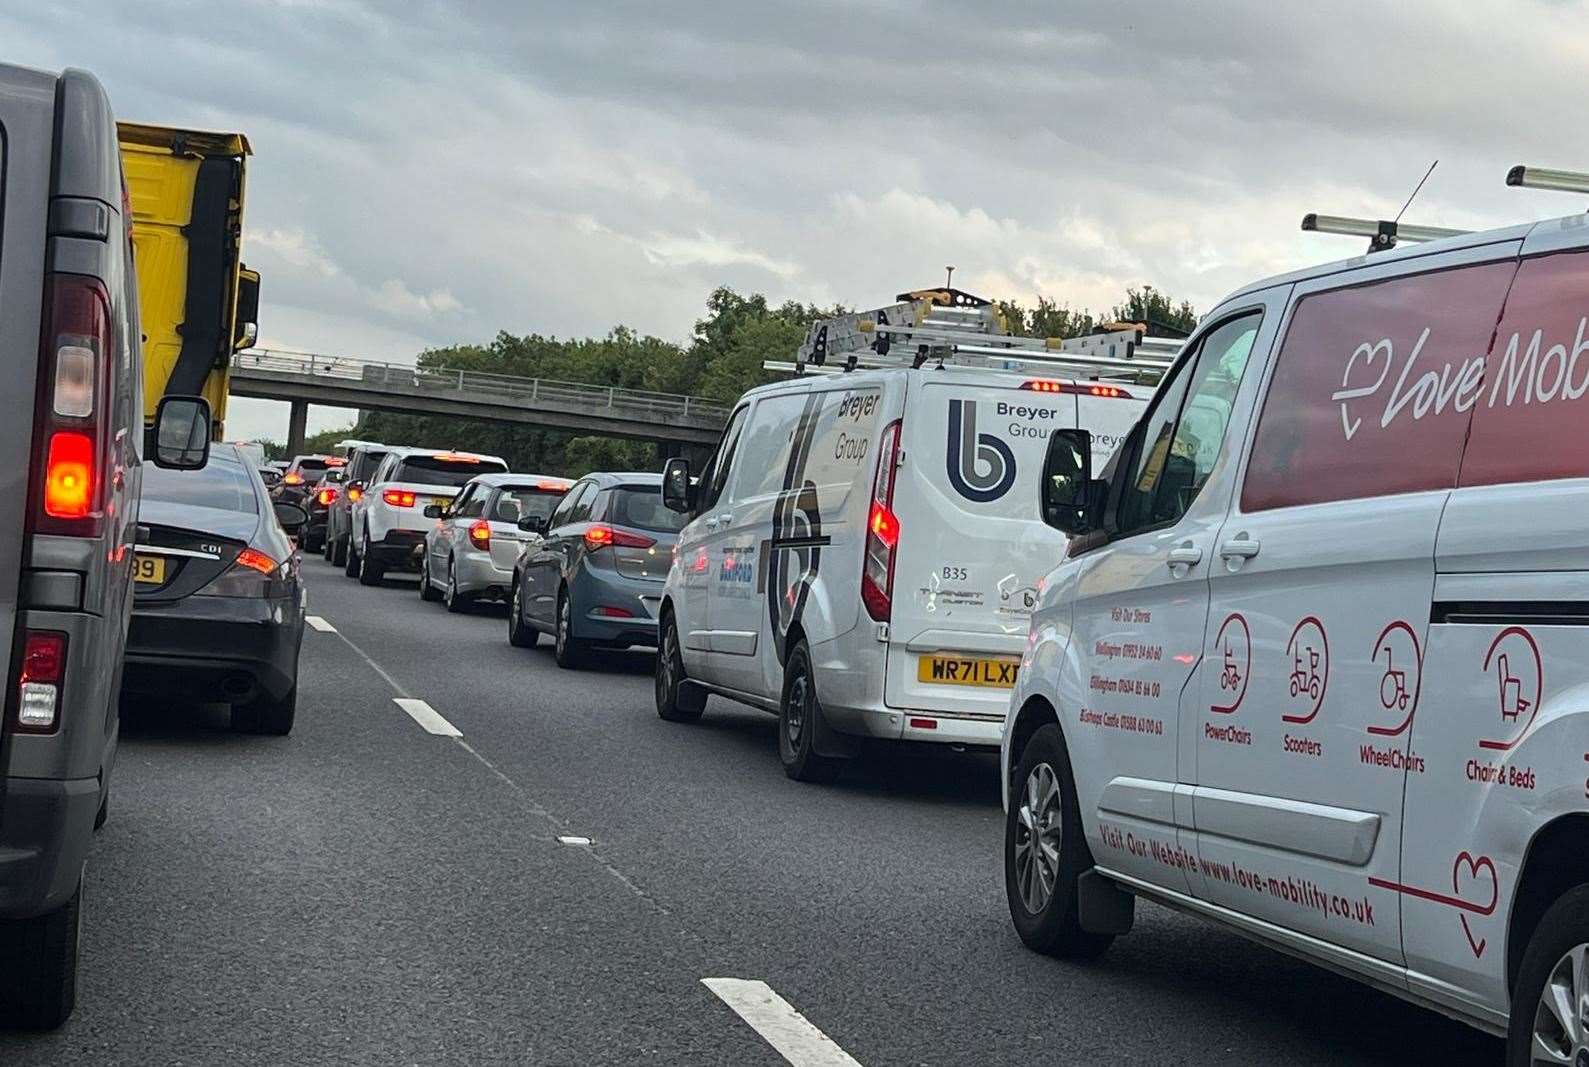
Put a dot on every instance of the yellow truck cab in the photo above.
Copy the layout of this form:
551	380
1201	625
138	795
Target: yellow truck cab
199	304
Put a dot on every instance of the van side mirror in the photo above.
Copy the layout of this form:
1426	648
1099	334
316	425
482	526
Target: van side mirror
181	436
1067	491
677	494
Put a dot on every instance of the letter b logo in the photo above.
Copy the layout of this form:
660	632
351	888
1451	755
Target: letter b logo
981	467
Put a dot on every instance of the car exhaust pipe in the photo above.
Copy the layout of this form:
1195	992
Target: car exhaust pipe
237	688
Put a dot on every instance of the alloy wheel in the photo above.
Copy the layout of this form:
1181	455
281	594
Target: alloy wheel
562	626
452	586
666	682
799	704
1561	1020
1039	829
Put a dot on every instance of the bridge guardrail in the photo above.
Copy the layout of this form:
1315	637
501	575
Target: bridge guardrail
459	380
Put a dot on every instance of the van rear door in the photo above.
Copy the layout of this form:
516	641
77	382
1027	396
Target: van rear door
972	549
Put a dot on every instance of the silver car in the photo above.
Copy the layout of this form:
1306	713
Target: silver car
469	554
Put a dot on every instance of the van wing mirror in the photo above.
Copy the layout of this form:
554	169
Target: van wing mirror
181	435
677	492
1067	492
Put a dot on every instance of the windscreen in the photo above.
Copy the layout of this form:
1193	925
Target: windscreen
221	483
436	470
530	502
640	506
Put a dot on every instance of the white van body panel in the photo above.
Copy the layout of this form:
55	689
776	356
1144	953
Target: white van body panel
1362	703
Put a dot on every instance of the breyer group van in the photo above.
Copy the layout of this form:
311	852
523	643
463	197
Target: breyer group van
864	554
1316	662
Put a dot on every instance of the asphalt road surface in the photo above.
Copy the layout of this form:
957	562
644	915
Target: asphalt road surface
366	891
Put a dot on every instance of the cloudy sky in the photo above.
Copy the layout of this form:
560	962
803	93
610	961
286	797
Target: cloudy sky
429	173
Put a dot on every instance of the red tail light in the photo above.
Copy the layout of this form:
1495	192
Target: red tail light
882	531
601	536
355	493
73	388
256	560
39	688
398	498
292	478
326	496
480	533
612	612
69	476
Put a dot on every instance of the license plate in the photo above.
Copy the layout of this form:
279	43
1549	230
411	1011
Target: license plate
148	570
967	670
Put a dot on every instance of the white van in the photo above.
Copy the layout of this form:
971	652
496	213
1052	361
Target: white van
862	561
1317	665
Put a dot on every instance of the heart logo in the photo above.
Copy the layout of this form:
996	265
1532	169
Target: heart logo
1466	870
1367	353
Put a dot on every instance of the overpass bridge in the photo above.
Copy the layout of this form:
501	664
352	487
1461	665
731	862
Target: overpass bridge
304	378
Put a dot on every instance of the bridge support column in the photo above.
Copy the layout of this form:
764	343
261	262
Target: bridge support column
297	422
669	449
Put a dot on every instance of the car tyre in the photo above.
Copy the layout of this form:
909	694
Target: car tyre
350	563
103	814
263	715
427	592
456	602
1045	852
799	712
676	702
370	570
328	545
38	985
568	650
520	633
1555	959
339	551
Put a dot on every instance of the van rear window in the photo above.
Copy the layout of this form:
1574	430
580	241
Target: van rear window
1373	388
436	470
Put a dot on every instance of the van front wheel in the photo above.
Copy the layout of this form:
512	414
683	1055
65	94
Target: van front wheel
1045	852
798	714
676	702
1547	1024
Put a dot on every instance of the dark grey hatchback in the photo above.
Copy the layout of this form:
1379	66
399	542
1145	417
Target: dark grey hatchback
219	609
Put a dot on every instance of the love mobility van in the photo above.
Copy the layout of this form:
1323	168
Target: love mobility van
860	559
72	434
1316	664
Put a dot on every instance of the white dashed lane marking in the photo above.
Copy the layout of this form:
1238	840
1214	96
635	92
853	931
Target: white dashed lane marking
775	1019
427	717
320	624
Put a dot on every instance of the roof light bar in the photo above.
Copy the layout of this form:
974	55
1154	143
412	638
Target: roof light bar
1382	234
1562	181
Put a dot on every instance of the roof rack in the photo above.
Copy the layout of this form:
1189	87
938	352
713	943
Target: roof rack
1563	181
948	325
1382	234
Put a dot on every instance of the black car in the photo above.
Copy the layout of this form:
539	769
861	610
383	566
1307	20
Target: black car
311	482
219	606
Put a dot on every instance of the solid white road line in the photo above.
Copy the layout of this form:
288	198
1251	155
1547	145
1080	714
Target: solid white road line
320	624
427	717
774	1018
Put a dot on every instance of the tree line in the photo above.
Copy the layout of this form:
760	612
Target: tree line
722	359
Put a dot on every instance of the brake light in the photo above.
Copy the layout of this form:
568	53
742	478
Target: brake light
254	559
39	688
355	493
480	533
292	478
601	536
398	498
69	476
76	345
456	457
1045	385
556	487
882	531
326	496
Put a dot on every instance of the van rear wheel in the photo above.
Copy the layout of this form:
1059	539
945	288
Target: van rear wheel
38	985
1547	1023
799	712
1045	853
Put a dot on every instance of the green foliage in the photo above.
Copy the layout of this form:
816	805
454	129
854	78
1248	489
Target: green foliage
1047	319
1149	305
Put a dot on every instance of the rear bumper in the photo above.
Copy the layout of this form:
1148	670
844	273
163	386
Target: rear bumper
849	682
399	549
45	833
593	590
478	573
205	648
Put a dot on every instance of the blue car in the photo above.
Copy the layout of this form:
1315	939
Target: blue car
593	577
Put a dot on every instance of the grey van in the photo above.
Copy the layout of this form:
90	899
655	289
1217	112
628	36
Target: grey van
72	407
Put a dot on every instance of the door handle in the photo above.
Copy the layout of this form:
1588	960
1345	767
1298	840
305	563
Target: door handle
1239	547
1184	555
723	518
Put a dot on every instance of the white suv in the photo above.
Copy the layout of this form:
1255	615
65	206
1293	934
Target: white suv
859	561
1317	665
389	522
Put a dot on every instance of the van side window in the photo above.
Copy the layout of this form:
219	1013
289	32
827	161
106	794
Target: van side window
1186	431
715	477
764	449
1375	385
